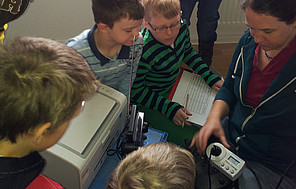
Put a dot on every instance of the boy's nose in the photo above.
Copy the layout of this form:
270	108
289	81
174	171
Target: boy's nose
169	31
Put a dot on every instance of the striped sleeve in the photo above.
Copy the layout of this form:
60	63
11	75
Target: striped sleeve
149	86
144	95
194	61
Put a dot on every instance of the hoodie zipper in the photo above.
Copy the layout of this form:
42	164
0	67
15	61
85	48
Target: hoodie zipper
254	109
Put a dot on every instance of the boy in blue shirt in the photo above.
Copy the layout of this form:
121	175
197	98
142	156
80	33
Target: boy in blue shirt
114	44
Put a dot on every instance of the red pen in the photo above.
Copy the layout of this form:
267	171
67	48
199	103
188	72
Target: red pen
186	104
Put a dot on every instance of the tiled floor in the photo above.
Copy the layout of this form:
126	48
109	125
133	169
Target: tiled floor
222	57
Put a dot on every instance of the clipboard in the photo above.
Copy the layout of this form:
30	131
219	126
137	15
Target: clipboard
201	96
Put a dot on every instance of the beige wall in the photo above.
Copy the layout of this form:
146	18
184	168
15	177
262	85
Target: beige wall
62	19
55	19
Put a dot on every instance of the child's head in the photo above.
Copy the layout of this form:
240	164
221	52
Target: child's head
162	19
122	19
42	85
158	166
111	11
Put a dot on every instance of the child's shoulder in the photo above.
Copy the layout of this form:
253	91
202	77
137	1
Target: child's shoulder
79	40
139	41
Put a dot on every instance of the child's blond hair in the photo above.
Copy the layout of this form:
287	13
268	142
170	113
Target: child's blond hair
166	8
155	166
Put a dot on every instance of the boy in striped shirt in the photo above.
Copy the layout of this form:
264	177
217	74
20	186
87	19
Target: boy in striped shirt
114	44
166	45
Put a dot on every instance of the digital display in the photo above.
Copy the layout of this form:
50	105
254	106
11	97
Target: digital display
233	161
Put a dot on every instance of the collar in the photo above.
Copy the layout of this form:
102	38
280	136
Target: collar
12	165
123	54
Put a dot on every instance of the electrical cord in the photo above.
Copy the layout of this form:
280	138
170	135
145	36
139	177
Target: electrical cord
284	174
281	179
216	151
117	150
209	169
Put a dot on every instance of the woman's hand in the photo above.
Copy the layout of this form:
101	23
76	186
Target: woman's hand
211	127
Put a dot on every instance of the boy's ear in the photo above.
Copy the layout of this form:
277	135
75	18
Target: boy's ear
103	27
294	23
40	132
145	23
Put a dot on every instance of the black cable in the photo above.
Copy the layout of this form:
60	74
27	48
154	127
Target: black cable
236	183
117	149
209	170
286	171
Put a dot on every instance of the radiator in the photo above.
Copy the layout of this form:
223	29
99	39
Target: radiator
231	24
230	13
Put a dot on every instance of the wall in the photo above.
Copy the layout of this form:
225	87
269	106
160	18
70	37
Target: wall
62	19
55	19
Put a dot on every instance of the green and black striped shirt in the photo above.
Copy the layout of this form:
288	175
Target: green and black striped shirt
159	68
